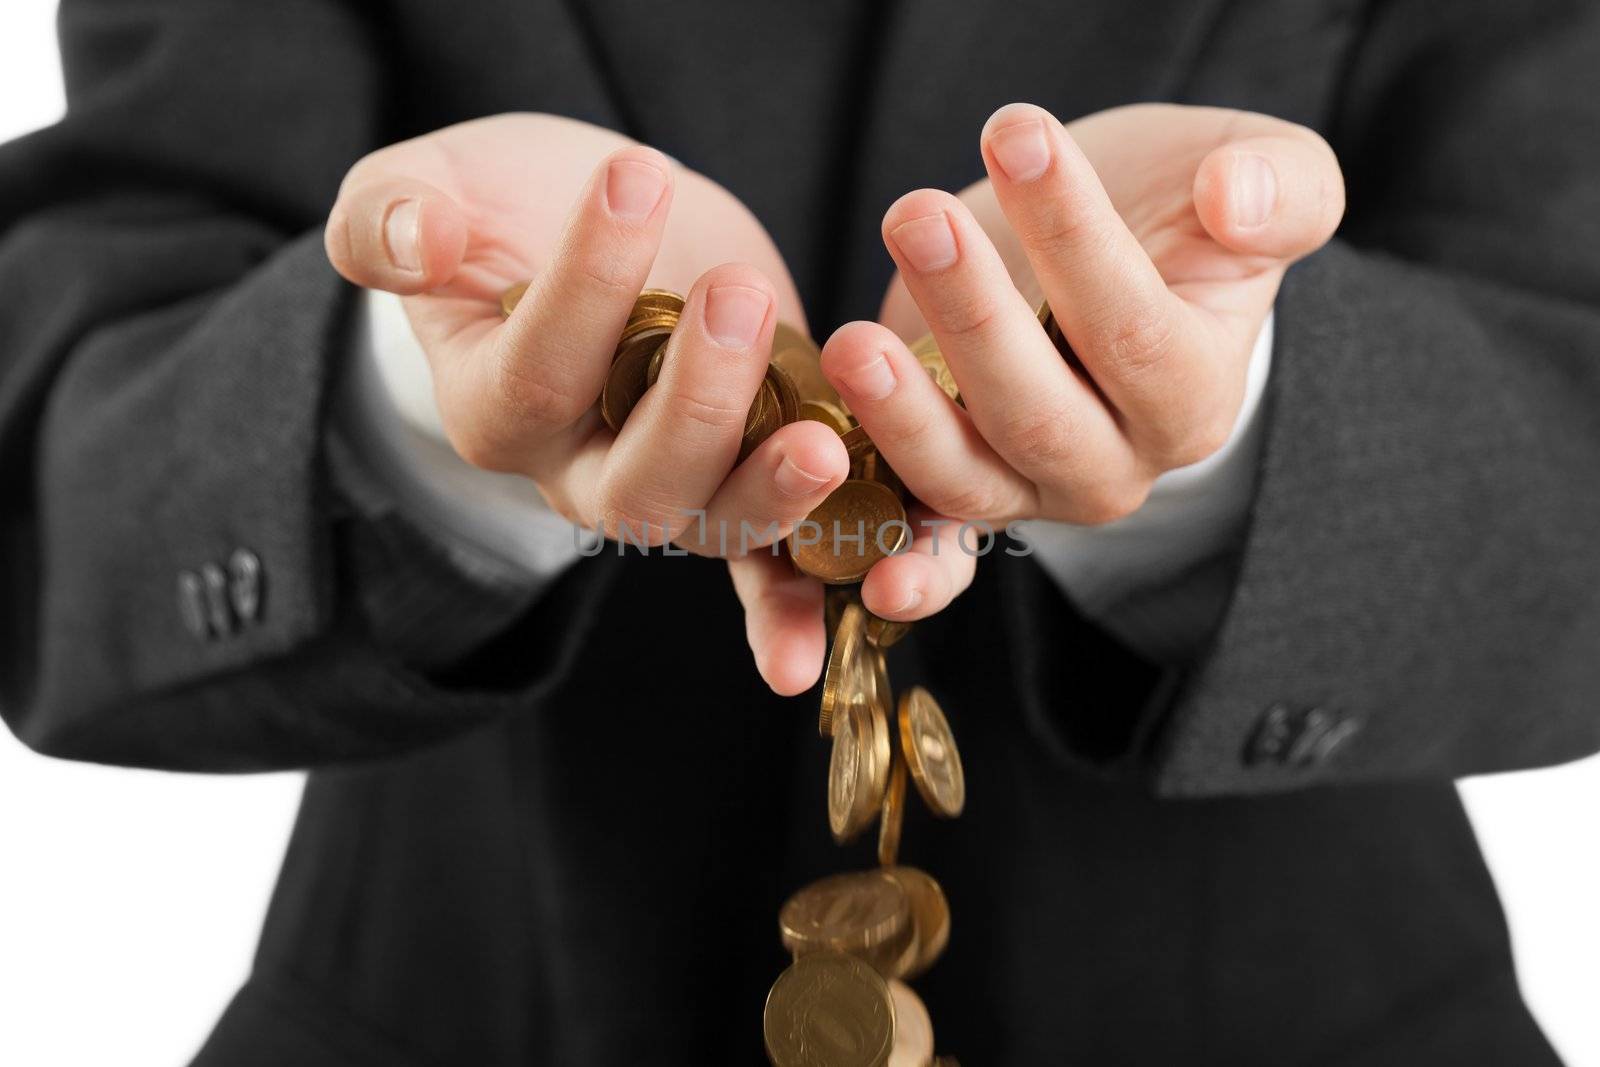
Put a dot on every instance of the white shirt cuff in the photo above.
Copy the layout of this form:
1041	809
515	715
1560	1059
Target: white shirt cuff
1152	578
389	416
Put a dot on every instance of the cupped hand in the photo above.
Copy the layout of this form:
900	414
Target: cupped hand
1159	234
451	219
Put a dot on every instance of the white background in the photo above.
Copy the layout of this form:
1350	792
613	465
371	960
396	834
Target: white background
130	900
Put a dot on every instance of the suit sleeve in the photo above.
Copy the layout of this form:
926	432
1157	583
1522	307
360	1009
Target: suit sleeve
169	335
1418	591
1419	595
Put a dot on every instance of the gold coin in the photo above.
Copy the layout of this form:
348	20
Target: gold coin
835	599
885	632
926	349
864	913
857	444
635	327
860	523
787	337
864	467
858	769
799	357
653	375
774	407
828	413
850	677
930	917
629	377
653	302
828	1009
913	1028
511	297
930	753
894	813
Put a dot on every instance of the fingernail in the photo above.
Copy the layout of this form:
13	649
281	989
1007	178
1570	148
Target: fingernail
402	235
872	380
1022	151
734	314
793	480
1255	191
928	242
633	189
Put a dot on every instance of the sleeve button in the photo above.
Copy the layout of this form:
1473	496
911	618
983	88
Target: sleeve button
245	584
192	605
218	611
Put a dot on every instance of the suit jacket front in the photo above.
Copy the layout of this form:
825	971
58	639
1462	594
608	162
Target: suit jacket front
558	830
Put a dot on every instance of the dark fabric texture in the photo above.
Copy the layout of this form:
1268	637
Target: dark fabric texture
560	832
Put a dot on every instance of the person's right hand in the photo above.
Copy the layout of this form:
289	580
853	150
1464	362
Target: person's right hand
453	218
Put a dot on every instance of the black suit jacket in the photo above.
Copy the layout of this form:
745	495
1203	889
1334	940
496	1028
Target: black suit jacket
558	831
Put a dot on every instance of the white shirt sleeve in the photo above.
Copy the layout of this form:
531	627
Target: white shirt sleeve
1159	579
390	419
1155	578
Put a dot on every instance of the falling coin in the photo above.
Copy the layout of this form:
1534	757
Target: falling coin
930	916
894	813
858	772
851	677
864	913
930	753
828	1009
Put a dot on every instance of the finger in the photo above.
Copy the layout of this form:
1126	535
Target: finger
1271	196
781	483
551	356
923	581
930	442
1153	358
395	234
782	621
1023	397
683	438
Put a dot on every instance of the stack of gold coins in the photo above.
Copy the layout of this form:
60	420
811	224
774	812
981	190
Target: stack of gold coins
641	353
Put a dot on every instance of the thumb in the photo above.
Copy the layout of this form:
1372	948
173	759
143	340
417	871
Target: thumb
395	234
1279	196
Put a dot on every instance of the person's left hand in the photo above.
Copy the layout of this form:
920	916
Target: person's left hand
1159	234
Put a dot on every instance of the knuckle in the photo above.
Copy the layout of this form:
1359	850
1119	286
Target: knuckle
685	408
606	274
969	317
1061	225
1136	339
528	399
1037	438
